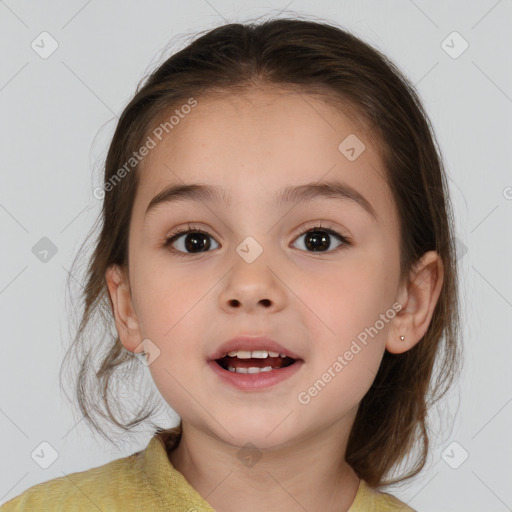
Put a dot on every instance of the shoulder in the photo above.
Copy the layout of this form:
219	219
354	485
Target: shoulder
388	503
106	487
370	499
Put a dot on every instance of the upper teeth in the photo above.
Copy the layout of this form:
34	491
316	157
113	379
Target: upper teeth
259	354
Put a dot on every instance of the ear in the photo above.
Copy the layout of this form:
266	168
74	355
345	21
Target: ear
127	324
418	298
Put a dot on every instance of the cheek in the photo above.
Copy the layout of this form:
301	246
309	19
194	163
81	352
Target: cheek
348	332
348	297
168	301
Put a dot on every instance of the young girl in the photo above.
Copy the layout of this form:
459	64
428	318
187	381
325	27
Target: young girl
277	241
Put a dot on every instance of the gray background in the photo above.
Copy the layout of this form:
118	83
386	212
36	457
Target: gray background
58	115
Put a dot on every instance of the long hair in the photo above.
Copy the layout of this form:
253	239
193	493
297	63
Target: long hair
312	58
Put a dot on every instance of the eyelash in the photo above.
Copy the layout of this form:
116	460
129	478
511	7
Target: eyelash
178	232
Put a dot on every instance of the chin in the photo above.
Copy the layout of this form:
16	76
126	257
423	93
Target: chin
265	434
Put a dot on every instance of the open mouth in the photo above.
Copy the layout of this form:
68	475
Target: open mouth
256	361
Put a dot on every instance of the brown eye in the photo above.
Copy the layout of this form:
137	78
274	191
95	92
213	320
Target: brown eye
319	239
189	241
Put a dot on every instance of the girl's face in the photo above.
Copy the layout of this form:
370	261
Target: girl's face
255	273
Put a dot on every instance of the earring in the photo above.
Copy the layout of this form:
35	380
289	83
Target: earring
402	338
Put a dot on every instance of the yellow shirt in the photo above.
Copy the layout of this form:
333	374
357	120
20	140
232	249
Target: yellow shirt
147	480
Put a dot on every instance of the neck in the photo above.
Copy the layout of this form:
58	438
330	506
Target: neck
311	474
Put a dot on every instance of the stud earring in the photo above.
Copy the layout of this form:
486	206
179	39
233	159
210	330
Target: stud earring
402	338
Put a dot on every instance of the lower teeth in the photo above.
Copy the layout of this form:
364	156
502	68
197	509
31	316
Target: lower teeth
251	369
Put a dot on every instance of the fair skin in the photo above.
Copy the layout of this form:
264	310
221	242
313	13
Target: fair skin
314	303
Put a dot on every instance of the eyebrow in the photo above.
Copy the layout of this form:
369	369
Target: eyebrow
293	194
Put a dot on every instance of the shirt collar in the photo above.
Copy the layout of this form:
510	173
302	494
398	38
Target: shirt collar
165	480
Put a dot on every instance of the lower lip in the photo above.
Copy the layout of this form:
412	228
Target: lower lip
255	381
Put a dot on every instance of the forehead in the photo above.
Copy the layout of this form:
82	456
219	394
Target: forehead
261	141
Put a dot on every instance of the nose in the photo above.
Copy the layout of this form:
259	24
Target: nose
252	287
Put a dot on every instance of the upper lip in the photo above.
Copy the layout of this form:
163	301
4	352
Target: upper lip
251	343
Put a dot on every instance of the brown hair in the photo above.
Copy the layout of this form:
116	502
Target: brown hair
312	58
